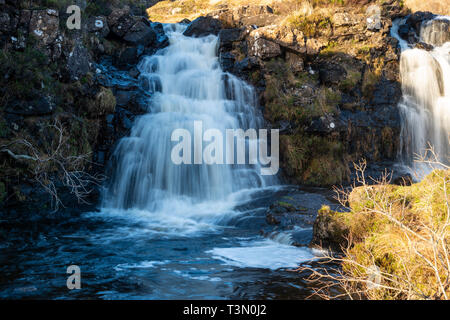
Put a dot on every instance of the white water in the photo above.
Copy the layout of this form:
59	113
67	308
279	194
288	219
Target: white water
425	106
187	85
267	254
163	200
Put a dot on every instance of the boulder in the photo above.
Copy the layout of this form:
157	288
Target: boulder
329	231
313	46
98	25
141	33
127	57
346	19
228	36
203	26
162	40
44	25
264	49
331	73
284	36
120	22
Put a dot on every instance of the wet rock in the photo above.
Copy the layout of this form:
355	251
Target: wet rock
416	19
185	21
127	57
226	60
404	31
162	40
134	73
424	46
140	33
228	36
203	26
246	65
44	25
124	98
270	219
436	32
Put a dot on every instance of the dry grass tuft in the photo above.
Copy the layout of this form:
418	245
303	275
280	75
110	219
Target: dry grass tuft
436	6
398	241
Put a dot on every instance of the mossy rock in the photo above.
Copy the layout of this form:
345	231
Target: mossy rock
330	230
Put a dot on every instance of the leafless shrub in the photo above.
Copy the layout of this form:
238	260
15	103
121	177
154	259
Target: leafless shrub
399	240
55	163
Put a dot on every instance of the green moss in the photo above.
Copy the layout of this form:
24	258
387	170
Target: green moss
313	160
370	80
351	81
28	74
310	25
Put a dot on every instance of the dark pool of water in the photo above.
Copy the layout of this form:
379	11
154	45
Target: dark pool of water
120	259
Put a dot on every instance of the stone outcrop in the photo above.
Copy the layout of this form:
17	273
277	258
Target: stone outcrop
85	79
328	80
203	26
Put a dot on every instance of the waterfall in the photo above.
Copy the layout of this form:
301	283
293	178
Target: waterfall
425	105
187	84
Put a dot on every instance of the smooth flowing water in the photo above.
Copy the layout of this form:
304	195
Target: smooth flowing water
172	231
425	106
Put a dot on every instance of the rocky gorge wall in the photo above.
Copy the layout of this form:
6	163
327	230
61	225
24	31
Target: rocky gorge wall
66	97
328	79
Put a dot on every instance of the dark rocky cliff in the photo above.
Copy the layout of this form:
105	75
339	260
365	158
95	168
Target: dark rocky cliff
66	96
329	81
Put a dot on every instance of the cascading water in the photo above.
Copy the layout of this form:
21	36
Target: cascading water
425	106
187	85
171	231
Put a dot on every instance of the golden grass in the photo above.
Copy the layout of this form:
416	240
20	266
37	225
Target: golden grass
398	241
436	6
174	11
